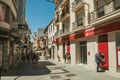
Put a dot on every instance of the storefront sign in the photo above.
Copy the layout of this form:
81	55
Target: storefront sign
79	35
72	37
54	41
89	32
60	40
107	28
65	38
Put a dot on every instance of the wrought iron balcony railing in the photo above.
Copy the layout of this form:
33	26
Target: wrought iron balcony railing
78	24
104	10
65	31
14	29
76	4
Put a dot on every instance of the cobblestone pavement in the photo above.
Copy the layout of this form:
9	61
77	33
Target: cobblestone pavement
51	70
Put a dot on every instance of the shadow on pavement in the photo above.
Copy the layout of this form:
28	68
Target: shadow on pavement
29	69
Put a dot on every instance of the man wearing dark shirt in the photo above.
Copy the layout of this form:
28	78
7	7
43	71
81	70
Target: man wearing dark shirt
97	60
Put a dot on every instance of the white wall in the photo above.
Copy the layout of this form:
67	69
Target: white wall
60	52
55	53
92	47
72	16
73	52
112	52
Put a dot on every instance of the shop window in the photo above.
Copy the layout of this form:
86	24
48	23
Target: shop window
117	4
103	38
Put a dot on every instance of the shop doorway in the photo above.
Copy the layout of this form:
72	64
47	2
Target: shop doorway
118	51
103	48
83	52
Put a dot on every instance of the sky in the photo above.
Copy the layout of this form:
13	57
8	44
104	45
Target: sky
39	13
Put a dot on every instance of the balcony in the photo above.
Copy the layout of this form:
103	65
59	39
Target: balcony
78	25
57	21
65	14
77	4
65	31
62	2
14	29
4	26
58	2
57	34
106	13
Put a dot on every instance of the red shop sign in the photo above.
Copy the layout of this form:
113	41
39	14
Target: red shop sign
107	28
89	32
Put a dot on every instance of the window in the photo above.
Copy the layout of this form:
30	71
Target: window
100	7
103	38
79	19
117	4
51	28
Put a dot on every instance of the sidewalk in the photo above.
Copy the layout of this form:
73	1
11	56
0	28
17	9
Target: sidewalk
52	70
83	73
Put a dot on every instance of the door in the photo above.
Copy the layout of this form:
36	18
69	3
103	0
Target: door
83	52
103	47
118	51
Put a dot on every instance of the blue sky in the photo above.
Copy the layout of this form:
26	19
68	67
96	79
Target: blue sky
39	13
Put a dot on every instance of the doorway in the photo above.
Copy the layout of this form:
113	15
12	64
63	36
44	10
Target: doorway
103	47
83	52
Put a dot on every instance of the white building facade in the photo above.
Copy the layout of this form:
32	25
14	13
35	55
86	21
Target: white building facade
86	27
51	29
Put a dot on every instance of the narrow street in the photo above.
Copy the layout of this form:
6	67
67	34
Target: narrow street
51	70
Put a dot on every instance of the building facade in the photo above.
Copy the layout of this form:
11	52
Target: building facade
12	32
39	42
8	17
86	27
50	40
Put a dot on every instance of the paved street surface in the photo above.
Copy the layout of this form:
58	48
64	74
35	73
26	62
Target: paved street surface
51	70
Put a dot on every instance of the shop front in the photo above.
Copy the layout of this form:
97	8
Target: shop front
105	40
118	50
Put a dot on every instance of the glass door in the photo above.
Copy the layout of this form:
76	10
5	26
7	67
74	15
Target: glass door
83	52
